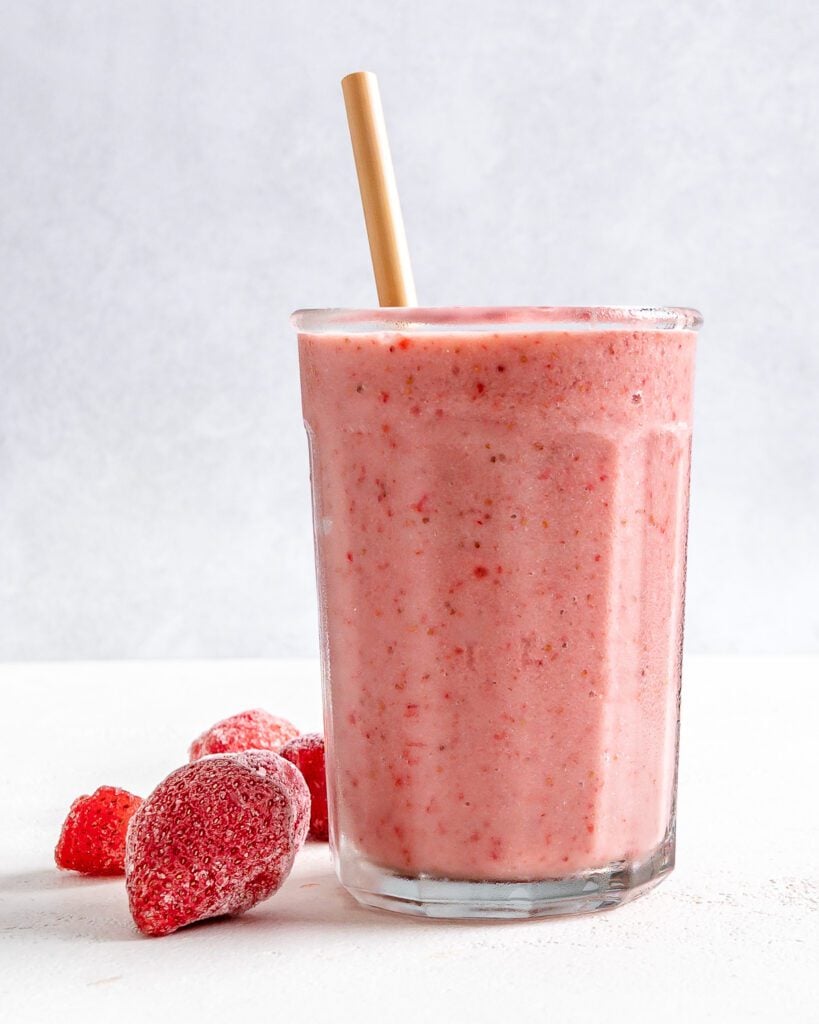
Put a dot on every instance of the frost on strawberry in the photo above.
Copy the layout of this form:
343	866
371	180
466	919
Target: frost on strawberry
249	730
216	837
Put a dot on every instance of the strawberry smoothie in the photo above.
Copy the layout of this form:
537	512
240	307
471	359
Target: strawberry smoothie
500	504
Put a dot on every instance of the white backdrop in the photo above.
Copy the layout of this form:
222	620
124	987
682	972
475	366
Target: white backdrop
175	178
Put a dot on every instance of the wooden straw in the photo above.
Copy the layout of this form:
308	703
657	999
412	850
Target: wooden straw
379	194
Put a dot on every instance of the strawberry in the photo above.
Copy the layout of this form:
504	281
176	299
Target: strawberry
216	837
92	839
249	730
307	754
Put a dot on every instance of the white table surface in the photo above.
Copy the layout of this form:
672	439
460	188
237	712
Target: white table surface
730	936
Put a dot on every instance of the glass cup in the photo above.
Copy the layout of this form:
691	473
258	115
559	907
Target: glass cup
500	506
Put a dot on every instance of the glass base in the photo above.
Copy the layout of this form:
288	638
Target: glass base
584	893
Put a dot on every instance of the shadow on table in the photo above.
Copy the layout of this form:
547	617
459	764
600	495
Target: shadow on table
45	880
316	899
93	909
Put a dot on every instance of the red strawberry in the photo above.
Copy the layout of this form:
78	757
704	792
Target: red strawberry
92	839
307	754
249	730
216	837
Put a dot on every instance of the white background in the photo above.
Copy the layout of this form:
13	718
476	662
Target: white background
175	178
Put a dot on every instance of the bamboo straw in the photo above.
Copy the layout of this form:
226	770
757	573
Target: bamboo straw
379	193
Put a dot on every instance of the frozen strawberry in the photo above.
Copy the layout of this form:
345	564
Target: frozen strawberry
216	837
307	754
249	730
92	839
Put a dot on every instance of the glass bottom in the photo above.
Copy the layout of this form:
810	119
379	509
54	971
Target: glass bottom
453	899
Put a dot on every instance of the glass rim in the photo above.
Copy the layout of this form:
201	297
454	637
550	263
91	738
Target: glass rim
493	319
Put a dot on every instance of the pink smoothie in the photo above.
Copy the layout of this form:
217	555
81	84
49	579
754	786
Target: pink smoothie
500	529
